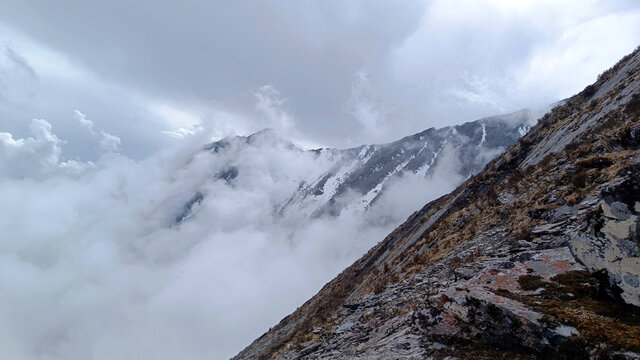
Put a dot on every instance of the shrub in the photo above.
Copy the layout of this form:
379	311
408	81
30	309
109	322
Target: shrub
579	180
589	91
379	287
594	162
633	107
523	234
531	282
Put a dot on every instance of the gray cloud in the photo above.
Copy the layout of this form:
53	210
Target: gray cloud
43	85
89	264
222	51
428	63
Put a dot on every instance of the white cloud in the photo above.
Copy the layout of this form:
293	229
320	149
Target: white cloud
470	59
181	133
427	64
91	263
595	44
366	108
84	122
37	156
109	142
184	122
17	76
271	105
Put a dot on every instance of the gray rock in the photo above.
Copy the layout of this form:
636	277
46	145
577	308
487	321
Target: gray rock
611	242
627	355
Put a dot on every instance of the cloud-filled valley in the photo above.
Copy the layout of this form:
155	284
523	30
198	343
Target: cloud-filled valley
190	246
91	257
146	215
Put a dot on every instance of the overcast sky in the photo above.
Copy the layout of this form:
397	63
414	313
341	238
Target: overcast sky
333	73
104	106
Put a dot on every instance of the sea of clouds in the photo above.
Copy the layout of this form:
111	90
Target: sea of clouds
93	265
92	262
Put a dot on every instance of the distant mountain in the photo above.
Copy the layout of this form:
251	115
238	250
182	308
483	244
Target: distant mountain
367	170
535	257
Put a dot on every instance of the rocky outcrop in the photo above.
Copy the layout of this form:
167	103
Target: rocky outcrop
612	241
534	257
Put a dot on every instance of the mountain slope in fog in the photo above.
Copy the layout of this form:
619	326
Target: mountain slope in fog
534	257
357	177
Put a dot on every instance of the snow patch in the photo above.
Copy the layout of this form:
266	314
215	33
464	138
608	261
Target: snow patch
369	196
522	131
484	134
422	171
566	331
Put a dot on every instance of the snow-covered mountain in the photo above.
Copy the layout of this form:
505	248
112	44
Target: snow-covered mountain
357	177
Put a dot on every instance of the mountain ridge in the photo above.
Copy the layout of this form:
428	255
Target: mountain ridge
357	177
475	142
524	260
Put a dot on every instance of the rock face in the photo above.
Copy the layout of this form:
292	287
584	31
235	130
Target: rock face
612	243
537	256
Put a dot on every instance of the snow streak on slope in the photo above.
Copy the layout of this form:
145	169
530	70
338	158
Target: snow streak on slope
425	168
326	186
484	134
373	193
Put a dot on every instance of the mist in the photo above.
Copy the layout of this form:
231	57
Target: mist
106	110
94	265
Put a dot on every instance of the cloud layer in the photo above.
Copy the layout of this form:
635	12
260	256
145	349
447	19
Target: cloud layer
104	108
93	266
351	72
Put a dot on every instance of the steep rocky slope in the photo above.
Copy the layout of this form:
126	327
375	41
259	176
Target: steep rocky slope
537	256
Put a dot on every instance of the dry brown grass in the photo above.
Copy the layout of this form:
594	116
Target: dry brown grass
577	299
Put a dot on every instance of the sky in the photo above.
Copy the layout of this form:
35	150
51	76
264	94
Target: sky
331	73
105	107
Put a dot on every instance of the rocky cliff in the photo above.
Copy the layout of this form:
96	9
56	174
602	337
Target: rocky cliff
537	256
